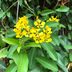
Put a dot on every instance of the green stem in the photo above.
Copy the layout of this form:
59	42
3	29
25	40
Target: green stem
17	11
30	9
9	8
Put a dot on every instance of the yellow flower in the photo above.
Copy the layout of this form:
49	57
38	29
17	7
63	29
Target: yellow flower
18	32
33	32
53	19
24	32
39	38
27	28
39	24
39	33
22	22
18	36
47	30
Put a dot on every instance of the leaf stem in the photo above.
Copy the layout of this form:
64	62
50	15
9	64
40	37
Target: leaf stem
17	10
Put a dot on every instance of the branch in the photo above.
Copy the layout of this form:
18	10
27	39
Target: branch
17	10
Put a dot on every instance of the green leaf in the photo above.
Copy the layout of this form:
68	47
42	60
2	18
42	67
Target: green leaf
2	44
11	68
29	15
69	26
18	49
36	69
65	44
10	33
70	35
32	44
46	12
63	9
48	64
31	54
20	2
24	39
21	60
52	24
12	49
62	26
48	2
50	50
70	56
1	13
3	53
11	41
55	39
68	46
61	64
22	42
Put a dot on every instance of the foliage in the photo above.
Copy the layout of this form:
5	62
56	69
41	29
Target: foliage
24	54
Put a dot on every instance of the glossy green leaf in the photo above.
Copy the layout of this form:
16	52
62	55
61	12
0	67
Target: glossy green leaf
55	39
32	44
61	64
18	49
62	26
2	43
48	2
68	46
20	2
50	50
70	56
24	39
1	13
52	24
21	60
32	54
29	15
36	69
3	53
46	12
62	9
12	49
11	41
65	44
10	33
48	64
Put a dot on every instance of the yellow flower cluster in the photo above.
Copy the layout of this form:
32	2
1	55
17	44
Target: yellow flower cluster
39	32
53	19
39	24
20	26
